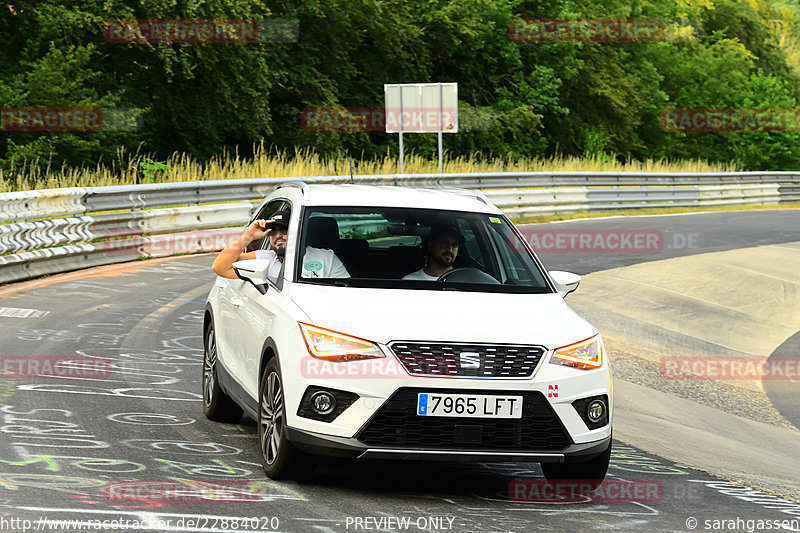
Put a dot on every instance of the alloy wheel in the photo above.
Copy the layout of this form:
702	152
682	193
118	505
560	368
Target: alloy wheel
271	418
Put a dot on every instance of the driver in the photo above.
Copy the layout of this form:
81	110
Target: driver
442	248
317	263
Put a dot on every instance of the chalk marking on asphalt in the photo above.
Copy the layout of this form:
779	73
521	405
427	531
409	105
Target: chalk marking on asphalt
751	495
157	317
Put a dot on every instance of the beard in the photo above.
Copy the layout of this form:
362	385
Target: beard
279	245
444	260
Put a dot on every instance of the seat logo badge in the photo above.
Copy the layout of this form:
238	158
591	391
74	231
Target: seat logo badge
552	391
469	360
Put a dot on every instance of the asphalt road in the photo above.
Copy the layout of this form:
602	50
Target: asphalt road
675	236
114	445
667	236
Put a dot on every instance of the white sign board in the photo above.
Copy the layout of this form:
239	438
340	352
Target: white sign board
421	107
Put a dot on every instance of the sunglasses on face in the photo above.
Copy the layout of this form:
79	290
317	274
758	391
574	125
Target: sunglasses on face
445	243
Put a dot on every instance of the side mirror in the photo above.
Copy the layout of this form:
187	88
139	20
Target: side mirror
566	282
253	270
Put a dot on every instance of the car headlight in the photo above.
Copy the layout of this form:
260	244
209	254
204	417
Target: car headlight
586	354
334	346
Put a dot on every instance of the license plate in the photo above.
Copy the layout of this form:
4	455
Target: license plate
469	405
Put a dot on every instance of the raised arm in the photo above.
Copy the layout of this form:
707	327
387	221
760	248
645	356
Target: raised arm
223	264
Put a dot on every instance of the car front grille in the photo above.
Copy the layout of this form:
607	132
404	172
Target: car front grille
468	360
397	424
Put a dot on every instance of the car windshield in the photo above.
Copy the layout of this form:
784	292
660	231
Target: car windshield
380	246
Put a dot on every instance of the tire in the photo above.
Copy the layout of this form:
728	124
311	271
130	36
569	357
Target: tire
217	405
279	457
592	471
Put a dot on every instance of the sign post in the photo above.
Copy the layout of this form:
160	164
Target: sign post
421	108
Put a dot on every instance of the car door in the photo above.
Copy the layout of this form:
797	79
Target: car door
254	312
255	317
225	324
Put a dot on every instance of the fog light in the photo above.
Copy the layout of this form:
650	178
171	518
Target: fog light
596	410
323	403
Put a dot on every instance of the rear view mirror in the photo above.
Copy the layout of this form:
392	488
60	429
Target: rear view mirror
254	270
565	282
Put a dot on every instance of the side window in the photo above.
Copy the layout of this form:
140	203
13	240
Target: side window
265	213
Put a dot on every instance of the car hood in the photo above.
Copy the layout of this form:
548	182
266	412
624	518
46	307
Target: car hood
385	315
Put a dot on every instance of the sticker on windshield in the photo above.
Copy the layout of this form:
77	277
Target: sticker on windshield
495	220
313	266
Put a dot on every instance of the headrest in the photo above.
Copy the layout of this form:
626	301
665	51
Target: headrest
322	232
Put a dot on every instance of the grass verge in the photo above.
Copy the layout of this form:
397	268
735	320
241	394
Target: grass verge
272	163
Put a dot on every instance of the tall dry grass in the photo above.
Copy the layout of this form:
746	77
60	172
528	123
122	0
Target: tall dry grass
267	163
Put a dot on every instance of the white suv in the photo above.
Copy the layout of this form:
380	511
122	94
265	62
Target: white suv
485	363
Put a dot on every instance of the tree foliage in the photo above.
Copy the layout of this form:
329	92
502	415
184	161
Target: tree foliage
516	98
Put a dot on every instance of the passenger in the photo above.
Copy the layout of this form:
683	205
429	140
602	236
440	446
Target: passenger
317	262
442	250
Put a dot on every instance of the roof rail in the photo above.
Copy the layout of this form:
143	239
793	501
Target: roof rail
300	184
478	195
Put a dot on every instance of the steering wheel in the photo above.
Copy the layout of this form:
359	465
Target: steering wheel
468	275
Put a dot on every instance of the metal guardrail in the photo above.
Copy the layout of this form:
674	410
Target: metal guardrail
58	230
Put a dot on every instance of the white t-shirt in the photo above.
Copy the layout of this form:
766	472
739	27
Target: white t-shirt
275	264
317	263
420	275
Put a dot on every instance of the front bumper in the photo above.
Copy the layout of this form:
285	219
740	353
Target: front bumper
345	447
